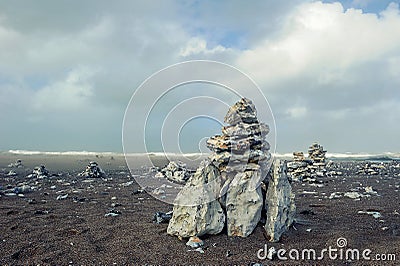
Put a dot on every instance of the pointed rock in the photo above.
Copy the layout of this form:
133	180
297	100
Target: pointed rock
243	111
243	204
279	202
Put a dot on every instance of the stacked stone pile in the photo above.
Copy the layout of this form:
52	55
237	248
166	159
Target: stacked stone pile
226	191
93	170
241	154
314	166
298	168
316	154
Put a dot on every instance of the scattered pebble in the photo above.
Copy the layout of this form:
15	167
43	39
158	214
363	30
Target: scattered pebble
62	197
228	253
200	250
161	217
375	214
113	213
195	242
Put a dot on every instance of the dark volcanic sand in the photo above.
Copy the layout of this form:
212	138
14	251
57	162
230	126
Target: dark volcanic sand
75	231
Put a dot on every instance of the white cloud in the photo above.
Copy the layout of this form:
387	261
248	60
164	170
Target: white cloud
68	94
198	46
297	112
322	38
322	68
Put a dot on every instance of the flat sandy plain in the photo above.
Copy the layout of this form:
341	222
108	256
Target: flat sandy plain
38	229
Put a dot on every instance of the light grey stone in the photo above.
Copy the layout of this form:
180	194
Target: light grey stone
244	204
279	202
196	211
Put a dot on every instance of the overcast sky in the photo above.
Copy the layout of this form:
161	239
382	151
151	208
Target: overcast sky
330	70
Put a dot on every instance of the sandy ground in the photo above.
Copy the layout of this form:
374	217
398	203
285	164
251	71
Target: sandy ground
38	229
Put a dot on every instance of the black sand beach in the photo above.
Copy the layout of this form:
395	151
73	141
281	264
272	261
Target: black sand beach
38	229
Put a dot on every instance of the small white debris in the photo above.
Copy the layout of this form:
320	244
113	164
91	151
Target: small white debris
335	195
353	195
375	214
61	197
370	191
195	242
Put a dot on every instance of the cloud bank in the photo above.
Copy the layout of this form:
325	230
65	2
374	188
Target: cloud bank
330	70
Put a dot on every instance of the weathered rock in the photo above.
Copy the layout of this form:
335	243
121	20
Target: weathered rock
251	156
161	217
17	164
93	170
176	172
244	130
298	156
195	242
243	111
279	202
196	211
244	203
12	173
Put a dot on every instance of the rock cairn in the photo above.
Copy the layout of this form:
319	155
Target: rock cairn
316	153
93	170
241	154
175	171
226	191
314	166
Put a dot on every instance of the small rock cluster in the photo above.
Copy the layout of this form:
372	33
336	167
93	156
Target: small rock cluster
175	172
93	170
314	166
226	190
17	164
39	172
372	169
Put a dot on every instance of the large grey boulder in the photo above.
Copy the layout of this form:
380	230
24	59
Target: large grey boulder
196	211
279	202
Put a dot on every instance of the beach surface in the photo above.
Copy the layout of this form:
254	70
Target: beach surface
43	226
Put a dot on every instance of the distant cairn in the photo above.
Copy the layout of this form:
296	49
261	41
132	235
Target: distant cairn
93	171
311	167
